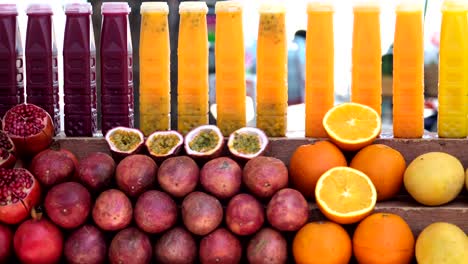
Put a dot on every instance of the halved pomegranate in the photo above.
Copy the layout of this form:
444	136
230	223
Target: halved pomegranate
7	151
30	127
164	144
205	141
19	193
247	142
124	141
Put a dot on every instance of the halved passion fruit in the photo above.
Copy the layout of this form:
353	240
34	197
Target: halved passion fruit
205	141
164	144
124	141
247	142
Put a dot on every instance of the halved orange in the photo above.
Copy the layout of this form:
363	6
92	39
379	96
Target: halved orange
352	126
345	195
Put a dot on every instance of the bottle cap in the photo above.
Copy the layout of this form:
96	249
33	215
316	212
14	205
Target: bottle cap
272	8
193	6
115	8
78	8
8	9
39	9
320	6
159	7
409	5
455	5
228	6
366	5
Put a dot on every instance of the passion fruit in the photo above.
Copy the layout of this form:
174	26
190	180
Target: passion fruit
124	141
164	144
205	142
247	143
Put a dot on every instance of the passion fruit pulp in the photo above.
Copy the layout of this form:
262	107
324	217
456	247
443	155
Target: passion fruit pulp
205	141
247	142
124	141
164	144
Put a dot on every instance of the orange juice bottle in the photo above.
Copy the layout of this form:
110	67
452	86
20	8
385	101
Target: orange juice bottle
319	81
155	98
230	67
272	72
366	84
408	71
192	94
453	70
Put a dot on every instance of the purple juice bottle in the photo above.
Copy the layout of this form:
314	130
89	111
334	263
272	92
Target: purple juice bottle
79	71
11	59
116	67
41	61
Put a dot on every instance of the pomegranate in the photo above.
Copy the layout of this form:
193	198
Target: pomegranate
136	174
201	213
264	176
221	246
52	167
130	246
176	246
6	243
68	204
287	210
112	210
95	171
75	160
124	141
267	246
7	151
244	214
164	144
178	176
221	177
205	142
86	245
247	143
19	193
38	241
30	127
155	212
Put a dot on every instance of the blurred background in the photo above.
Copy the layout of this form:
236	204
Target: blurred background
296	23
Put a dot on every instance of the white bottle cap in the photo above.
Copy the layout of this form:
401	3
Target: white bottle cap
115	8
193	6
272	8
366	5
8	9
157	7
78	8
42	8
455	5
228	6
320	5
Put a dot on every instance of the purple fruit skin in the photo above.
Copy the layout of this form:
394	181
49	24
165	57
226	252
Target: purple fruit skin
155	212
86	245
221	177
130	246
267	246
96	171
288	210
201	213
264	176
112	210
178	176
244	214
51	167
176	246
221	246
136	174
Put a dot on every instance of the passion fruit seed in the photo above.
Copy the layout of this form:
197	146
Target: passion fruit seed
246	143
13	186
162	144
204	141
24	121
125	140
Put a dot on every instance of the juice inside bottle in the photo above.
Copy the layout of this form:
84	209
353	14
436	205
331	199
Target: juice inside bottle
230	67
319	81
192	93
41	61
155	92
366	84
408	71
116	67
272	71
11	59
453	71
79	71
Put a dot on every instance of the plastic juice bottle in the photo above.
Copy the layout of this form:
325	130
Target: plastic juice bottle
366	84
453	70
192	94
319	81
408	71
11	59
272	71
155	92
230	67
41	61
79	71
116	67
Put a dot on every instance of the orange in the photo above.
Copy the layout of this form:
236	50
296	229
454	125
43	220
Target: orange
383	238
345	195
310	161
384	165
322	242
352	126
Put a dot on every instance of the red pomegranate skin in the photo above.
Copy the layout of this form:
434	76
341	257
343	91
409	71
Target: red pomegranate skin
51	167
86	245
221	177
176	246
178	176
264	176
244	214
68	204
221	246
288	210
136	174
130	246
6	243
38	242
75	160
112	210
96	170
155	212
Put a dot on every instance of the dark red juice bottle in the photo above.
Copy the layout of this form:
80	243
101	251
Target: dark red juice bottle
41	61
11	59
79	71
116	67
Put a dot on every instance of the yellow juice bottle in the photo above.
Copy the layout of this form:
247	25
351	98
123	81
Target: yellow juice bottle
155	97
408	71
453	70
272	72
366	83
192	92
319	80
230	67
